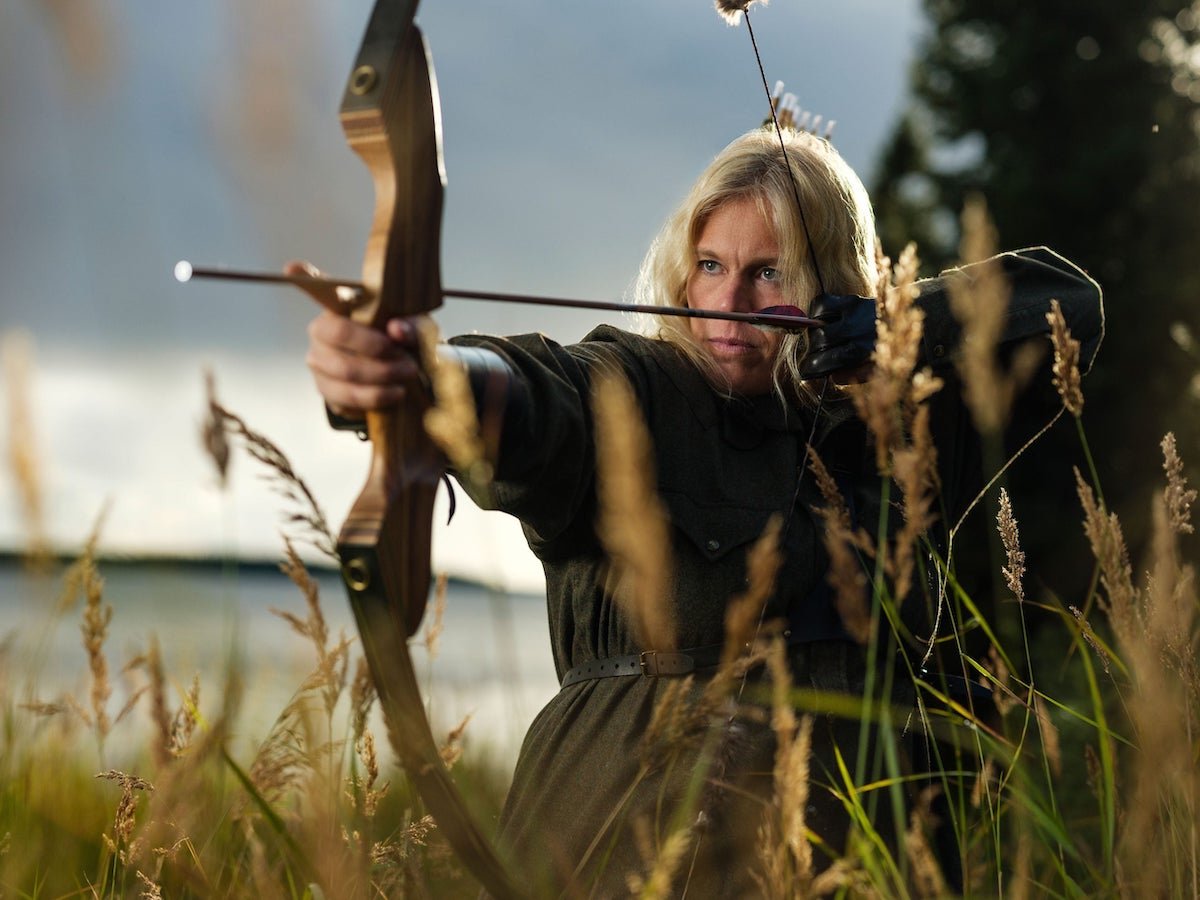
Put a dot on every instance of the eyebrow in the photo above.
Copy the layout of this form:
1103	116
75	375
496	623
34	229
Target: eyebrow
758	262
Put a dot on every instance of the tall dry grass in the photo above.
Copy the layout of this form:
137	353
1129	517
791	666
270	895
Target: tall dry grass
133	789
1070	768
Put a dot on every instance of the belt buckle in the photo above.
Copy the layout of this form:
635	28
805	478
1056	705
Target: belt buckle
657	663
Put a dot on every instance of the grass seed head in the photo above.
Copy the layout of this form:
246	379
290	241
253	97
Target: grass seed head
1010	537
1022	878
213	435
16	351
437	622
362	697
286	481
452	750
187	716
1178	497
880	401
123	821
674	723
365	794
332	660
793	746
1049	732
927	877
151	890
96	618
1104	533
1089	635
744	612
452	422
1066	361
632	521
160	749
980	304
1002	694
663	862
846	574
915	468
1171	607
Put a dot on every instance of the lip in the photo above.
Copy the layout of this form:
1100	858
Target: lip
731	346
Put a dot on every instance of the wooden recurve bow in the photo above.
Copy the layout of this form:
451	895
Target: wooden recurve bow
391	118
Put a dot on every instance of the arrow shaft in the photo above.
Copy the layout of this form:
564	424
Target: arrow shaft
352	293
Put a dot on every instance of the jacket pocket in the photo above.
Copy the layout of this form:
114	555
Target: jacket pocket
716	530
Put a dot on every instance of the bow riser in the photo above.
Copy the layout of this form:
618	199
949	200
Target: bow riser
387	121
401	145
385	541
391	120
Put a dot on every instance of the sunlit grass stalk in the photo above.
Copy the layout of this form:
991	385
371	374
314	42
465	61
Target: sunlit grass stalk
1013	573
26	462
1086	446
1107	800
632	521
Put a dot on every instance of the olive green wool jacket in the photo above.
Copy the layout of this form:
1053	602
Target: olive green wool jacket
723	466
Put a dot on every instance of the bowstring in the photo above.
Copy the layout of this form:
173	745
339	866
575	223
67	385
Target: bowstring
821	285
812	254
787	524
762	612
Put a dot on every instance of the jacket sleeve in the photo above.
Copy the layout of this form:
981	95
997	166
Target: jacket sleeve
1036	276
545	462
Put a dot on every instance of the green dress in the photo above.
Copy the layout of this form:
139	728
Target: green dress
590	799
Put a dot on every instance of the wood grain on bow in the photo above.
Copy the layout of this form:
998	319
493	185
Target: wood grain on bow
391	118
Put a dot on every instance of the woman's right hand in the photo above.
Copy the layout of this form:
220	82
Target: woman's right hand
358	368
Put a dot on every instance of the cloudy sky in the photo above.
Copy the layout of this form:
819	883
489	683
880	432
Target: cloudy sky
133	135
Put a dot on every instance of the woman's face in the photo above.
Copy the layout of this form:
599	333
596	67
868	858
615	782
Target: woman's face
736	270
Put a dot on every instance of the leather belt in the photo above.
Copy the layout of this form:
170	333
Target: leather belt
650	663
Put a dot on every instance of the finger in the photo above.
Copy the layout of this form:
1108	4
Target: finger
354	369
354	400
404	332
347	336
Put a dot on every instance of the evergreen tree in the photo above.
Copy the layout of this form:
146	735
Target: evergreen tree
1079	123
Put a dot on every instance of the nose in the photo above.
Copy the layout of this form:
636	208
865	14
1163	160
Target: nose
735	295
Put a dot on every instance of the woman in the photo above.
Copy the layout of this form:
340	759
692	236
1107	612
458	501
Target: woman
730	410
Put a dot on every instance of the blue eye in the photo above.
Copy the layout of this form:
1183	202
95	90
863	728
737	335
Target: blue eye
769	274
711	266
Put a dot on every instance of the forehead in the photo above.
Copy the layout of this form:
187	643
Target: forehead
740	221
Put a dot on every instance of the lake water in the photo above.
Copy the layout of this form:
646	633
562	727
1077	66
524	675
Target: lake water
492	660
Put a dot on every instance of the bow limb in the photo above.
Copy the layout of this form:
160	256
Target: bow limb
391	118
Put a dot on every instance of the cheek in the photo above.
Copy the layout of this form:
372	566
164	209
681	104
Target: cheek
689	292
695	326
773	346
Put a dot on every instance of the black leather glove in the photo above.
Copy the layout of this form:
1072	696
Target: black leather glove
845	340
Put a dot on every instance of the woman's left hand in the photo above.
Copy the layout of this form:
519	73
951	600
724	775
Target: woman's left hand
841	347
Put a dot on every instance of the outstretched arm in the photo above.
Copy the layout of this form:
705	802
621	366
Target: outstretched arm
1036	276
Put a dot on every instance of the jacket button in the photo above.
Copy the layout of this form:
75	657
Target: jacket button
712	546
939	351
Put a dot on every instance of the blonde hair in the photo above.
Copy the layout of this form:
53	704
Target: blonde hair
836	209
